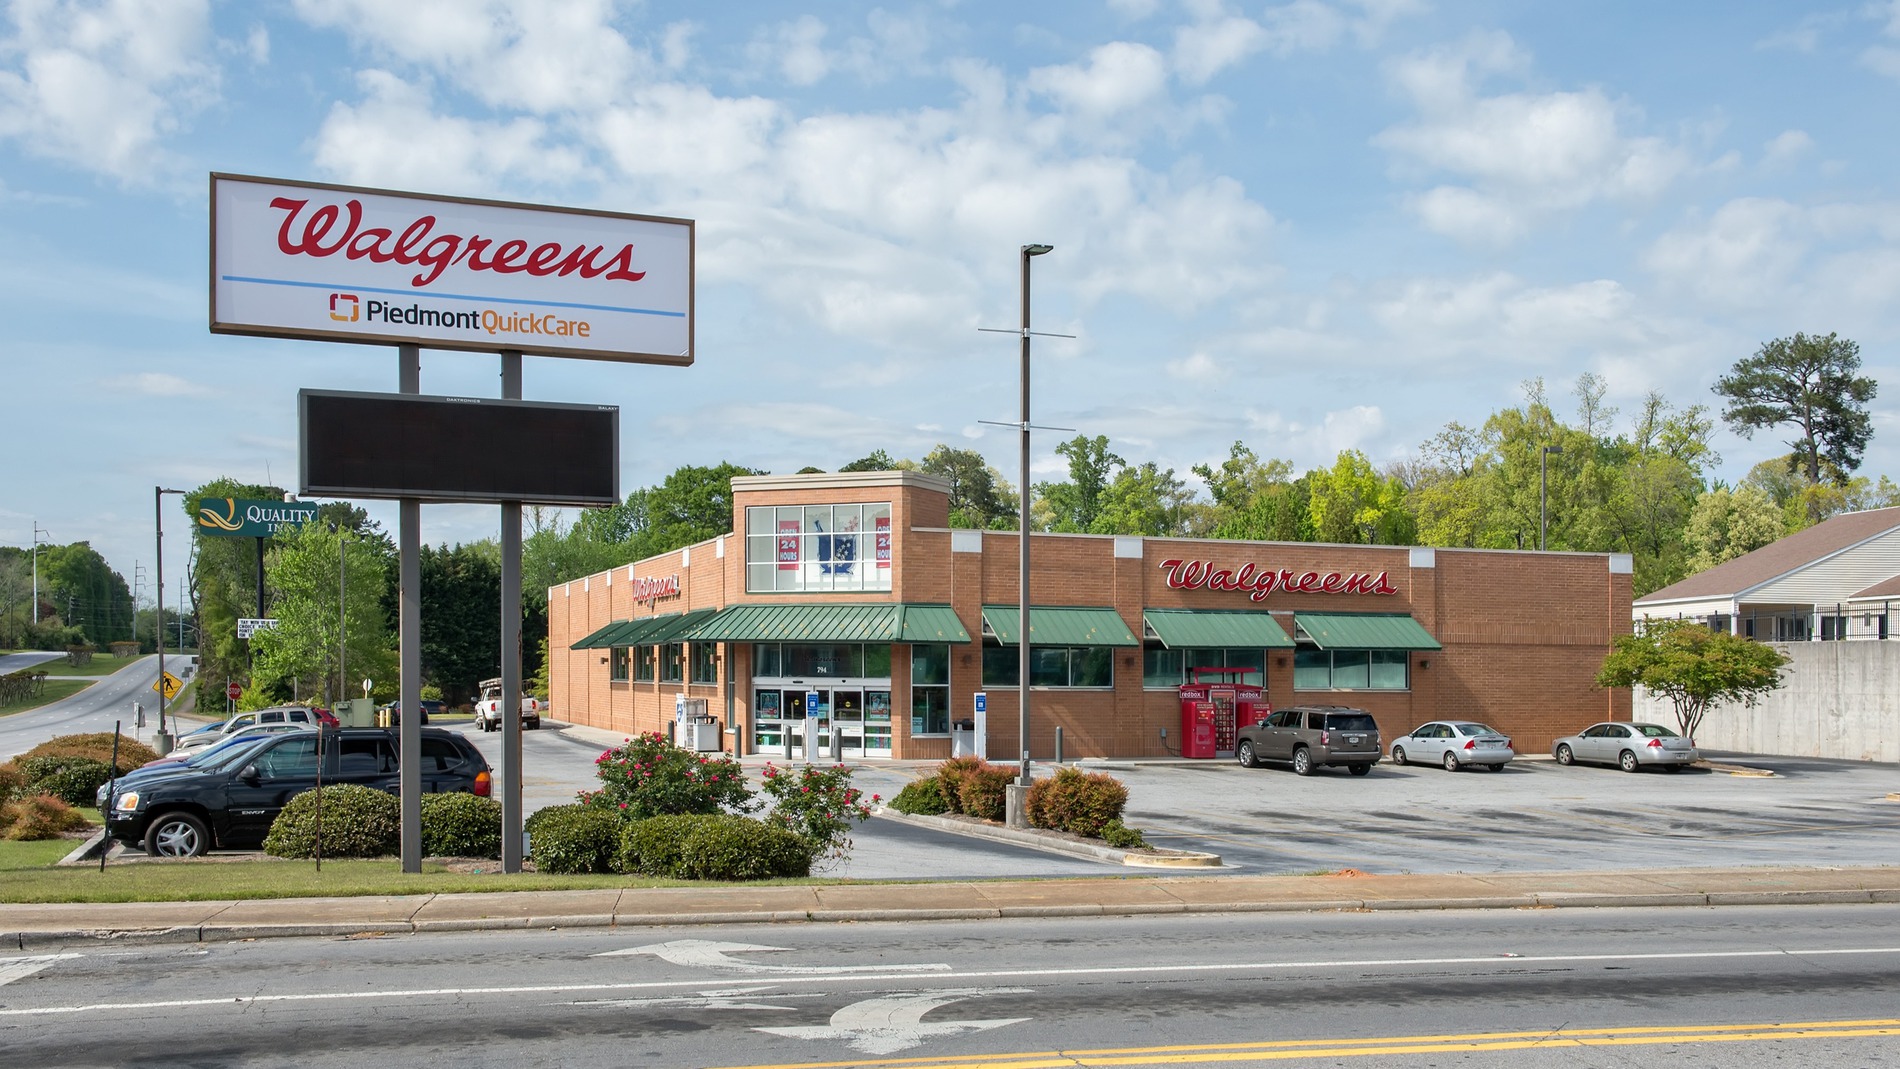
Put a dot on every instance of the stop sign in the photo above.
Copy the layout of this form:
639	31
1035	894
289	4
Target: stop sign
233	691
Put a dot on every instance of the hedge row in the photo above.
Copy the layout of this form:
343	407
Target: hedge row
1082	803
686	846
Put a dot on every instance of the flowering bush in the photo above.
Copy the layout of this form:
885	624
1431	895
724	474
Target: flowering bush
819	805
647	776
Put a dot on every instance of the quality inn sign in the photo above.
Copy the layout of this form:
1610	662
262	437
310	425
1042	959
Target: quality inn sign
239	517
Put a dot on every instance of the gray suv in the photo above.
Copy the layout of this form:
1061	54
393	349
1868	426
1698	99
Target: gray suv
1311	736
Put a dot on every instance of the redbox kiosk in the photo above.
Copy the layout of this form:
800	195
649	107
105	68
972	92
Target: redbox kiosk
1211	711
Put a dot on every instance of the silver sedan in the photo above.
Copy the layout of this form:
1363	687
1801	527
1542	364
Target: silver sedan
1630	747
1454	744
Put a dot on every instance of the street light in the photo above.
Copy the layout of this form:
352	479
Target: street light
1543	494
162	742
1022	581
37	543
343	539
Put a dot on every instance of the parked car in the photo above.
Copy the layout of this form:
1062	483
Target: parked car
202	740
430	707
173	763
233	800
1309	737
488	709
1627	746
1454	744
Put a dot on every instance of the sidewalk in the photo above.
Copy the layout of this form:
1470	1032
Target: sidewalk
40	927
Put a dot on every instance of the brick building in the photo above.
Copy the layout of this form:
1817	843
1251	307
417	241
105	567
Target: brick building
847	598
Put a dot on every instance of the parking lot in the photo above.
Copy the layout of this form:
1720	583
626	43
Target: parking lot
1533	815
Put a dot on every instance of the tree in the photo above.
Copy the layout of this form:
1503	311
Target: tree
1809	383
1143	500
1075	504
1726	524
1695	668
461	616
303	571
979	495
879	460
1353	504
692	505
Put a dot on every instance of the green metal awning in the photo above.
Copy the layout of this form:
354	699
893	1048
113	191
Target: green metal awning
593	640
1192	627
1060	626
1365	631
833	623
673	627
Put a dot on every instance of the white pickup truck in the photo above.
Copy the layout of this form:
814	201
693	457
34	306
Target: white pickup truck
488	709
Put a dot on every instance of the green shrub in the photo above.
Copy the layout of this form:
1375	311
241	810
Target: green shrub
98	746
573	839
647	776
38	816
1078	802
652	847
713	846
922	797
73	780
1121	836
951	775
358	821
818	805
460	825
984	792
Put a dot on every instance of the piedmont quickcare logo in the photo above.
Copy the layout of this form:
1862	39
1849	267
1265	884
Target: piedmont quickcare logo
349	308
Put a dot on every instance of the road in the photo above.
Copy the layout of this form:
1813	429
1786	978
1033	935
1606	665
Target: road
1734	987
14	662
93	709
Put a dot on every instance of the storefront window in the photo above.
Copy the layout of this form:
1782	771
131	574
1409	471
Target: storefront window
1317	669
1163	668
803	659
643	664
617	664
819	547
705	662
1051	666
765	660
929	689
672	662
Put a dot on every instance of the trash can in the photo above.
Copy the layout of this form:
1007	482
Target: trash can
963	739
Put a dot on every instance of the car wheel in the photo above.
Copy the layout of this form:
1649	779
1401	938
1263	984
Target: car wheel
1398	755
1451	761
1302	762
177	835
1627	761
1360	770
1564	756
1244	754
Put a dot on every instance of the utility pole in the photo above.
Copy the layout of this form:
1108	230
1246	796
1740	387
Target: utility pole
37	542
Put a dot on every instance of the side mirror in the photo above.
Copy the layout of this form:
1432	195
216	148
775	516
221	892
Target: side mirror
248	773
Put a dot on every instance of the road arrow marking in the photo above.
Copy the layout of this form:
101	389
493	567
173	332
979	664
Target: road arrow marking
12	969
709	954
705	1000
896	1022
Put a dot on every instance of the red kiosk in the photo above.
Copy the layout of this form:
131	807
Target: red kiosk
1211	711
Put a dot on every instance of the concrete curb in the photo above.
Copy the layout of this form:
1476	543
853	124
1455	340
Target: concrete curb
88	850
53	939
1055	844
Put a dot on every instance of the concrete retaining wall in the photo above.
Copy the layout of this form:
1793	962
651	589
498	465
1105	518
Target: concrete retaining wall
1837	699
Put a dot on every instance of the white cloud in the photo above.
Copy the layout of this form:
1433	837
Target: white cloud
1197	367
1786	147
1525	155
100	84
1742	255
157	384
394	138
1118	77
796	48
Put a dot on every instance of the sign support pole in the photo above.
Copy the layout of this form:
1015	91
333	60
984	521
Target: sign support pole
511	650
409	643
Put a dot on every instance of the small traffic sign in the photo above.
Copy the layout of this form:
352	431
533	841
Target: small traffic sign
982	702
168	685
233	691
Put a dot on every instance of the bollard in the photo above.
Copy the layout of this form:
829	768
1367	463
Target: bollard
1058	744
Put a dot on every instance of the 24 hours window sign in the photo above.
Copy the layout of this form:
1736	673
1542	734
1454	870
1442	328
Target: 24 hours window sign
339	263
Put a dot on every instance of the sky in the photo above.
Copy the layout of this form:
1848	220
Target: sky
1312	226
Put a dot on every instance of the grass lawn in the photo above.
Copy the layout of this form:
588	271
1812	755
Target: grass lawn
17	856
54	690
102	664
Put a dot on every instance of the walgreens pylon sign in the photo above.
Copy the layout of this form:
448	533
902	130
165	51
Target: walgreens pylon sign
297	259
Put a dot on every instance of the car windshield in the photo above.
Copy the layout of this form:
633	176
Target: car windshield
1655	731
1351	722
215	756
1475	729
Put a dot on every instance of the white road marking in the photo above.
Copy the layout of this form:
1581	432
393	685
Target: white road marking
704	1000
12	969
896	1022
709	954
1514	963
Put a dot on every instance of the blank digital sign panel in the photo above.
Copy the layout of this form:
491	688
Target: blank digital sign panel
471	449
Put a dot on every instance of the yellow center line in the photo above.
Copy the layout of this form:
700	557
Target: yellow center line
1285	1050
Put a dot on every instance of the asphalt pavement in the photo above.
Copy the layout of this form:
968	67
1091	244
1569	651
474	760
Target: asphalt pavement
96	708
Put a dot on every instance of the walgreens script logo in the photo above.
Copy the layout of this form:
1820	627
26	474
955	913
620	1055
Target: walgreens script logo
1257	582
333	229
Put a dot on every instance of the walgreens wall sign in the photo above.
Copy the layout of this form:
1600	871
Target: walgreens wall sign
296	259
1257	582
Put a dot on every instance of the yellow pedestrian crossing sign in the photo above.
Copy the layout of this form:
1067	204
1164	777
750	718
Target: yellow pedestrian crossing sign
168	685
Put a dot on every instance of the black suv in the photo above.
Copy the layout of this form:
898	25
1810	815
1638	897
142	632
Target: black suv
232	802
